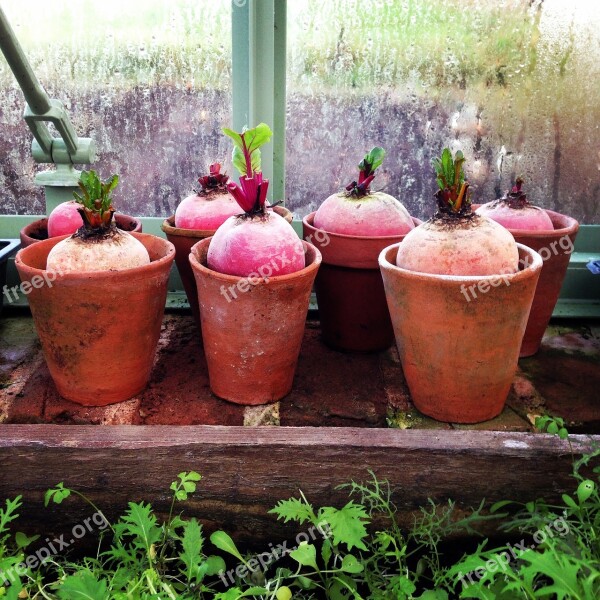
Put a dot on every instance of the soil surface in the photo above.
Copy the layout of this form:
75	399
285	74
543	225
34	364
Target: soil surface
330	388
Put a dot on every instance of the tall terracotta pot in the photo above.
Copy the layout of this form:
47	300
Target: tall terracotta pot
38	230
98	330
183	240
352	307
555	248
252	327
459	337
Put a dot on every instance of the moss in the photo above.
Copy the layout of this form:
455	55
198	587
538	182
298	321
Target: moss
402	419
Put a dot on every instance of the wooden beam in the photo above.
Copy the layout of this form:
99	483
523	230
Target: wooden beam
247	470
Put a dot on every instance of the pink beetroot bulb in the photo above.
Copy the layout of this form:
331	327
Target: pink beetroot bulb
514	211
455	241
211	206
64	219
259	242
447	246
205	213
116	251
358	211
265	244
375	215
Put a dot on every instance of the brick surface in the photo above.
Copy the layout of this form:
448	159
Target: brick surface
334	388
507	420
330	388
566	374
179	392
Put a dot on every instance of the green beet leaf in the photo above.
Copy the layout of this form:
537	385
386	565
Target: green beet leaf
246	147
372	160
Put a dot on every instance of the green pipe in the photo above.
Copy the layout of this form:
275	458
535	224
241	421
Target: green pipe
41	109
65	151
35	95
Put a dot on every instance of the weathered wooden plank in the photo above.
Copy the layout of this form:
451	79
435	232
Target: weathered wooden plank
246	470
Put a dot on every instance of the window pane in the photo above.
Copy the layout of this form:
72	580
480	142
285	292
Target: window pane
149	80
514	84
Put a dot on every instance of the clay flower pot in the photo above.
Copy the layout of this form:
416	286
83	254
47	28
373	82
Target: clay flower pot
183	240
98	330
252	327
38	230
459	336
7	248
555	248
352	306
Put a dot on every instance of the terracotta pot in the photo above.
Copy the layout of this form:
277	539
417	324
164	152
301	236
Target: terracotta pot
98	330
459	337
555	248
38	230
352	306
183	240
252	329
7	248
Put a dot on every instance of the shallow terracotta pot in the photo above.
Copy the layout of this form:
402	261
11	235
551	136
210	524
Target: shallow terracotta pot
459	337
98	330
183	240
252	328
38	230
555	248
353	310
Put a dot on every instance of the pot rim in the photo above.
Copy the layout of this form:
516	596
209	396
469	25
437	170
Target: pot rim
43	220
233	279
42	224
168	225
36	222
570	228
535	263
308	221
154	266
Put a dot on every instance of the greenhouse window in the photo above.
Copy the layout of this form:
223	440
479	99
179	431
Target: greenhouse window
152	83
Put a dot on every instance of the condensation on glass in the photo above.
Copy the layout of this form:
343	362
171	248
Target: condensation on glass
149	80
514	84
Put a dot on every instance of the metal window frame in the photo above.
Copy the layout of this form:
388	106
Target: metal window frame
259	42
